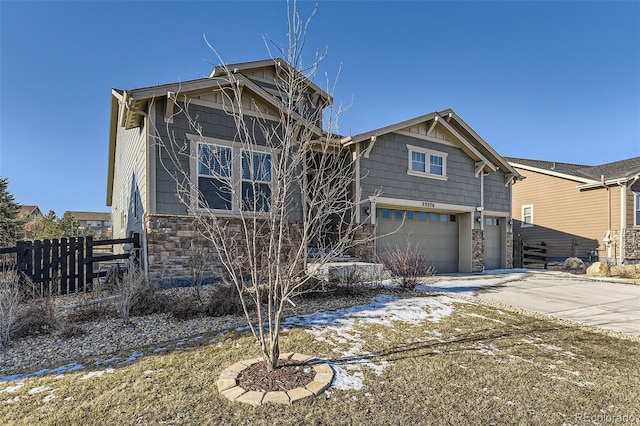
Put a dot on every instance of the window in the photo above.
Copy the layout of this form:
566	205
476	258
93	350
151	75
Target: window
214	176
637	209
398	214
384	213
418	162
422	216
410	215
93	224
256	181
492	221
527	216
427	163
433	217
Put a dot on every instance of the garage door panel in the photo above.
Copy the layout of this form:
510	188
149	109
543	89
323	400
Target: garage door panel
438	239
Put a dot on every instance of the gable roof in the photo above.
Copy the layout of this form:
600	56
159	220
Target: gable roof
90	215
613	173
137	101
30	211
467	139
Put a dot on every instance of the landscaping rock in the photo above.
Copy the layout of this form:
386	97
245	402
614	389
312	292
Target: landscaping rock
573	263
597	269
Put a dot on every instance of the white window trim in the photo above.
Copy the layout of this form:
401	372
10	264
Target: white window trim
522	222
428	153
230	179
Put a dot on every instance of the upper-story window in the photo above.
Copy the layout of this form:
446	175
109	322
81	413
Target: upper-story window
427	163
527	215
214	176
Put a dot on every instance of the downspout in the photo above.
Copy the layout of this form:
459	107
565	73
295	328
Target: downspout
481	199
623	219
358	193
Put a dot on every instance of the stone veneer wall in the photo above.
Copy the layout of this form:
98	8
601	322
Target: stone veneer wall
477	243
365	249
170	239
509	250
632	245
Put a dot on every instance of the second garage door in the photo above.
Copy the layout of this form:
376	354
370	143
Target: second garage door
435	233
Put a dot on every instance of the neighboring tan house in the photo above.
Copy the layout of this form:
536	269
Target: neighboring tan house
451	189
33	212
591	212
34	215
97	224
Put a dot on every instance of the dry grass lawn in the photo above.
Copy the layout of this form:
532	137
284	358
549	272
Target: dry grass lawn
479	365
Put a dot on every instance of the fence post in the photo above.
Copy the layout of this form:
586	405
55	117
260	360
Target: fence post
47	274
64	273
72	265
81	278
37	267
89	261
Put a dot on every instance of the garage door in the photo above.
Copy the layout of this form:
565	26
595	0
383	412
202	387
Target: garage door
435	233
492	243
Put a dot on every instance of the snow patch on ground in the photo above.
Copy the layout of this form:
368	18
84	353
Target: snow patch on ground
338	329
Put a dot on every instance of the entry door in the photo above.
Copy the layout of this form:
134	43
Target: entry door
492	243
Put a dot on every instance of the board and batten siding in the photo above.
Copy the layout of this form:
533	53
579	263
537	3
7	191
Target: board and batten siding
129	175
567	220
387	165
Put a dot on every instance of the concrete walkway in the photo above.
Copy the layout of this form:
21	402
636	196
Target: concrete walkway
596	302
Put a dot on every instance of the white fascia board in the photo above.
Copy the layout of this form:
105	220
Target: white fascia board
392	128
421	204
607	183
178	88
555	174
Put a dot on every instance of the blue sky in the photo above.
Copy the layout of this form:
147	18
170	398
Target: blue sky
544	80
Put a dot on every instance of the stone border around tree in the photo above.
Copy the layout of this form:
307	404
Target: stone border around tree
228	383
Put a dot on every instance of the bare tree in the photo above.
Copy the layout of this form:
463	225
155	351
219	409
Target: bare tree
294	199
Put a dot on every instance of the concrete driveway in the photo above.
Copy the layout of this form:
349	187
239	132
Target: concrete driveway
596	302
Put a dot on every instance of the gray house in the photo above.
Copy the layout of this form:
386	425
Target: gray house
442	186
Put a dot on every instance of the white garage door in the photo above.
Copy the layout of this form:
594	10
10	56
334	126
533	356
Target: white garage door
435	233
492	243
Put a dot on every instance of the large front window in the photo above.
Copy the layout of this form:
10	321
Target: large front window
637	210
214	177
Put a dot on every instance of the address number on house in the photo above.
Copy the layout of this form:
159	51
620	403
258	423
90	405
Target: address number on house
428	204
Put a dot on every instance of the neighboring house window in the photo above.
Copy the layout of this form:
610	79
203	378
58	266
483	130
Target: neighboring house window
527	215
93	224
427	163
256	181
214	176
107	223
637	209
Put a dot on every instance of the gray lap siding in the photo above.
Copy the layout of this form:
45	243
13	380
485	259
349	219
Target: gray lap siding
387	165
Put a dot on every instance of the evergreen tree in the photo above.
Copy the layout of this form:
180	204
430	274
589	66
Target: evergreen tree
11	226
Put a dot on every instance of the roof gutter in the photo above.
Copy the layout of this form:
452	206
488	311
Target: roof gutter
607	183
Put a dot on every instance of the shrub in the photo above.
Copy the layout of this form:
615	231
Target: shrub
185	306
40	315
407	265
9	301
129	290
223	300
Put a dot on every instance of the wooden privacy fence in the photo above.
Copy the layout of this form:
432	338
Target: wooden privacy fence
528	255
65	263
